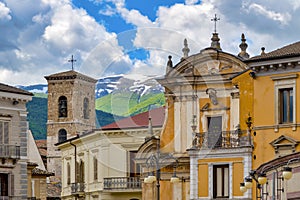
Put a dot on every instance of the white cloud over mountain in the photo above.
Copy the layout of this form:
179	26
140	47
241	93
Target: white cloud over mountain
37	40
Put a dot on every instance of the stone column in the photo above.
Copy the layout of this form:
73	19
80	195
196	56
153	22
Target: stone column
193	177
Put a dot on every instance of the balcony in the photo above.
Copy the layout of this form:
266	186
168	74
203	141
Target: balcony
122	183
5	198
9	151
222	139
77	188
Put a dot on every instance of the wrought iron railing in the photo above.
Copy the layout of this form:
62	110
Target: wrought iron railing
9	151
122	183
221	139
77	188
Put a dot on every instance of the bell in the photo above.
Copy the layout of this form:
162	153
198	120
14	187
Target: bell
63	105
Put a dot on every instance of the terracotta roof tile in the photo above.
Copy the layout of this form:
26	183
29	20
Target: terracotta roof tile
140	120
42	147
11	89
290	50
37	171
41	143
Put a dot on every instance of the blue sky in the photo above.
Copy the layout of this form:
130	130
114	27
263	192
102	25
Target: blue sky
110	37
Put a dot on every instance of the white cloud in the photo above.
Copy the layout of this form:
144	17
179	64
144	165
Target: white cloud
283	18
118	3
134	17
295	4
108	11
106	58
4	12
191	2
73	29
51	32
39	39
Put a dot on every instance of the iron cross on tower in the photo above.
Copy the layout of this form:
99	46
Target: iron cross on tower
72	60
215	19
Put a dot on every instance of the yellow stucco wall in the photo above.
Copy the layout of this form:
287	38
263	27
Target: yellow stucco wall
238	177
203	180
166	190
264	118
245	84
237	172
167	135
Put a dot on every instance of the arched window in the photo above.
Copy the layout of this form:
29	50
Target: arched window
86	108
62	107
62	135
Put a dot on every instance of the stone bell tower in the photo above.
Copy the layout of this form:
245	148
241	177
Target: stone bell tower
71	110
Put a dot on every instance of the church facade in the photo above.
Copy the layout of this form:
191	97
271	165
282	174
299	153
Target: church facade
231	131
232	124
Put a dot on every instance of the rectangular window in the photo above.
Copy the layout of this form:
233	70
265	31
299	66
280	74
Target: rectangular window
134	168
68	174
4	132
214	133
4	185
95	169
286	105
221	181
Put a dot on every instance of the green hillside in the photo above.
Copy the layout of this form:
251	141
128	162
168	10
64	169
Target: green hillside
128	104
41	95
104	118
117	103
37	117
147	102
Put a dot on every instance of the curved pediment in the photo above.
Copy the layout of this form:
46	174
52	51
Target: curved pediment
208	62
147	148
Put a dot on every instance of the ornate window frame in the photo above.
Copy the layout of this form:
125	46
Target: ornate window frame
284	82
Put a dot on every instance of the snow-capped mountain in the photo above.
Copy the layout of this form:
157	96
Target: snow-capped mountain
39	88
141	85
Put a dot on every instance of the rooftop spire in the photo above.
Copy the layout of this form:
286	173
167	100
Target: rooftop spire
215	41
169	64
150	129
263	51
215	38
185	49
243	46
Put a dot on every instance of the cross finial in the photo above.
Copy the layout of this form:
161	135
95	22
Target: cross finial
215	19
72	60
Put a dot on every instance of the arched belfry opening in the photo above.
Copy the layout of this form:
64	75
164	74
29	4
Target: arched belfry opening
62	106
62	135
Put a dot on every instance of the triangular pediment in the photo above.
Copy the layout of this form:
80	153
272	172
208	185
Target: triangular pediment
284	140
284	144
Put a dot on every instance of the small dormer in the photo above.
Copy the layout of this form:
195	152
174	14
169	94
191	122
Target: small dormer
284	145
